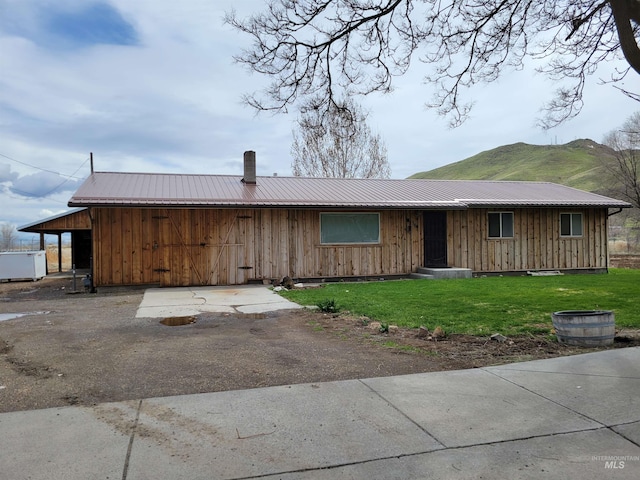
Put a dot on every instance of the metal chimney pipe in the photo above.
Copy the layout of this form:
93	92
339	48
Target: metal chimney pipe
249	167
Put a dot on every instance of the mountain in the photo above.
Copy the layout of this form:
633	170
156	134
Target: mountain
576	164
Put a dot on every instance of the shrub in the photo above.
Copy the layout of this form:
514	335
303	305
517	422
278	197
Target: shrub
328	306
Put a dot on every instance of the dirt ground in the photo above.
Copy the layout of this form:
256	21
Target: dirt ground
79	348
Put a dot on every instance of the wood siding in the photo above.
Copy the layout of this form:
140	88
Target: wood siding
536	244
180	247
74	221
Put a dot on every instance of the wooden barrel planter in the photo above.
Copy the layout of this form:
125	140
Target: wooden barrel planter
585	328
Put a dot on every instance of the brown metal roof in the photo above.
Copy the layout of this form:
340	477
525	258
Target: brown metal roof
179	190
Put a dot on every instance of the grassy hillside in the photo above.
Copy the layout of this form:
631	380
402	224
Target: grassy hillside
576	164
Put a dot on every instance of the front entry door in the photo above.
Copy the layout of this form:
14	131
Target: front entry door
435	238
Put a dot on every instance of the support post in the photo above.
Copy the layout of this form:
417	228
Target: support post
59	252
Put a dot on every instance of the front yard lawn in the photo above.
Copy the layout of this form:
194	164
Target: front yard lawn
486	305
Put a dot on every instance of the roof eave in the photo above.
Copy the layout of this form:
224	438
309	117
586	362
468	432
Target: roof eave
163	203
549	205
31	227
266	204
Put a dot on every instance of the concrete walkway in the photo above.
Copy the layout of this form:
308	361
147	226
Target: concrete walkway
185	301
573	417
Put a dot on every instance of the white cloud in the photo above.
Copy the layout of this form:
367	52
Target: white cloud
43	184
6	175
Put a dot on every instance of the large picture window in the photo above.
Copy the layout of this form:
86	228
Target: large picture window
570	224
500	224
349	228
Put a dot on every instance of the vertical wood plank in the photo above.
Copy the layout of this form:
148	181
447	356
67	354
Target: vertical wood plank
116	246
135	246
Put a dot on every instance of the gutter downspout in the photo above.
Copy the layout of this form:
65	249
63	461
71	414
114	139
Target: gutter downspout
607	227
614	213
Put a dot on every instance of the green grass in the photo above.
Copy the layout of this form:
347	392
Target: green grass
482	306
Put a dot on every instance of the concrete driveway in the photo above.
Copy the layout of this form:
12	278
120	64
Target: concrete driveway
177	302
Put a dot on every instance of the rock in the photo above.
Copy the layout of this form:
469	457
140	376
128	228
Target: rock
393	329
438	333
278	289
423	332
499	338
374	326
298	285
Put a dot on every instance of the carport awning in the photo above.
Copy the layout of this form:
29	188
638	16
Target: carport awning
76	219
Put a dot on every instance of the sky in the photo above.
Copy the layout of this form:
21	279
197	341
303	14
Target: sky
151	86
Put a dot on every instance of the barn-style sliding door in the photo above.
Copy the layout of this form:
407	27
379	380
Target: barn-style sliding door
202	247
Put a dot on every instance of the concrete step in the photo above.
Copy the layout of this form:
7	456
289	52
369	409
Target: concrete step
439	273
422	276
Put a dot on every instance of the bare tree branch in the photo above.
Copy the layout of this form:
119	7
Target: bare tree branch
625	166
337	143
8	236
631	95
623	10
323	49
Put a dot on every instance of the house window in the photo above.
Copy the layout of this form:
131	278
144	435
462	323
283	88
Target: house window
570	224
500	224
349	228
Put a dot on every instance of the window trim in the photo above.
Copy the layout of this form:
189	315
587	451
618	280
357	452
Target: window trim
377	242
502	236
571	233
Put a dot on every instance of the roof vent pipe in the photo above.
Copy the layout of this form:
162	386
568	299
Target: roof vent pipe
249	167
